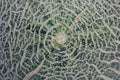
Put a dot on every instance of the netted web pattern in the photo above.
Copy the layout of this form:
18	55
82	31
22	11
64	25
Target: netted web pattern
59	39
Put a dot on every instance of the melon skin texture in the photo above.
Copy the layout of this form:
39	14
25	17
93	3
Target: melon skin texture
60	40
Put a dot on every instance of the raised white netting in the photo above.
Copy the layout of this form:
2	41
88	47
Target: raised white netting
59	39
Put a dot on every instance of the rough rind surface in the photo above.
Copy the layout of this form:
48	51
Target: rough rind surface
91	50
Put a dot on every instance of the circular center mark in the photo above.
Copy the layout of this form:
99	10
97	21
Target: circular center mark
61	38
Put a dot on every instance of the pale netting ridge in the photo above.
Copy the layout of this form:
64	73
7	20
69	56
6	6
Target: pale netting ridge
59	39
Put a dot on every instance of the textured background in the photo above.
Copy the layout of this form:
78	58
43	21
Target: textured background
28	50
